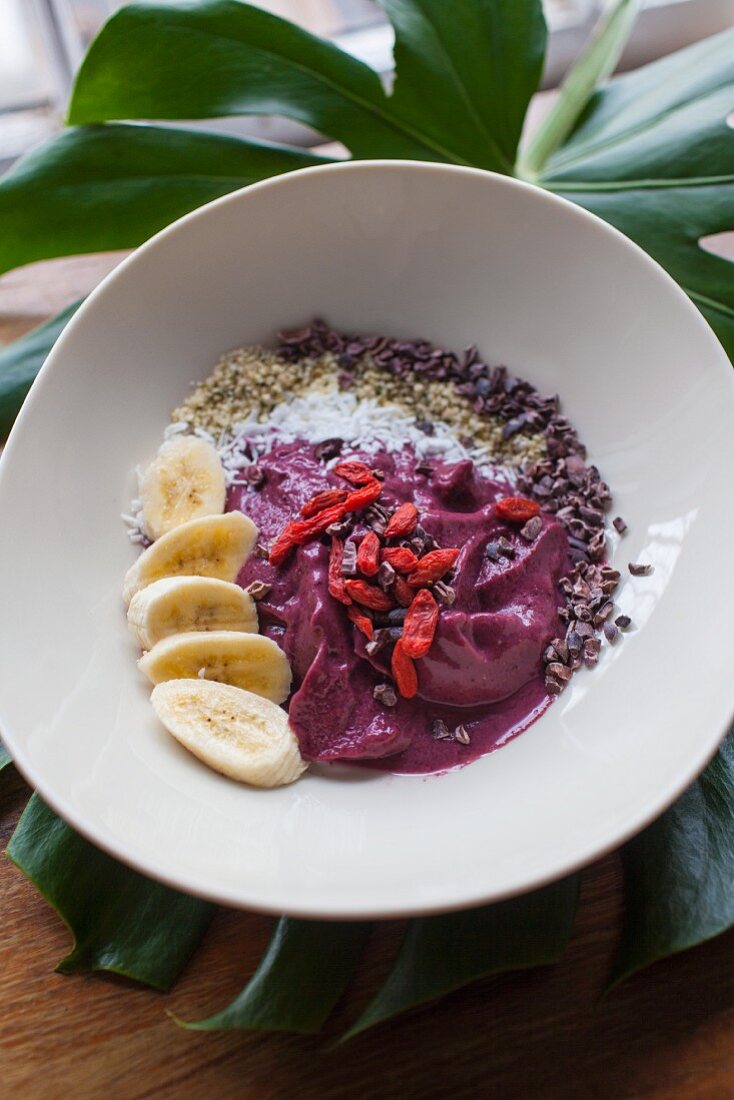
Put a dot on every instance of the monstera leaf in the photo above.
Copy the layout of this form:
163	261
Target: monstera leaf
651	152
679	873
448	104
95	188
653	155
304	972
120	920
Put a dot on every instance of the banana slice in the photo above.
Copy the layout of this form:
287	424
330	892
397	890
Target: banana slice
185	481
248	661
213	546
177	605
233	731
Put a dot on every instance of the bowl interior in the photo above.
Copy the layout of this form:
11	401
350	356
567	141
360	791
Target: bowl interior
458	256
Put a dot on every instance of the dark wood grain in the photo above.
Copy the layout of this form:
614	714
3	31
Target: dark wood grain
667	1033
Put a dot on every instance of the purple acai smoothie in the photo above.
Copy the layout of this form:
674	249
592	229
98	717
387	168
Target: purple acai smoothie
484	669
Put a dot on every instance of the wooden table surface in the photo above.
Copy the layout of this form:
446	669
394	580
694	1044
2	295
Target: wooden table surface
667	1033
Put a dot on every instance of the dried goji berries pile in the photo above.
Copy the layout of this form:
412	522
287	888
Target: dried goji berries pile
391	579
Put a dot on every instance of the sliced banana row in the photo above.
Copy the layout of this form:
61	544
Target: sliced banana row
218	681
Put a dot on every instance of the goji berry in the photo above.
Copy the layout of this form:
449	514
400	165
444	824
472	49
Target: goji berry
336	580
317	524
282	547
401	558
402	592
368	554
517	509
432	566
403	671
402	522
362	498
358	473
296	532
419	626
323	500
368	595
361	621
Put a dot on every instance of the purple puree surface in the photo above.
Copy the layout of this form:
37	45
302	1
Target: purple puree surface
484	669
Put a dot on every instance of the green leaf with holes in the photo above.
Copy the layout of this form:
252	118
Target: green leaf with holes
103	187
303	973
679	872
441	954
121	921
466	71
653	154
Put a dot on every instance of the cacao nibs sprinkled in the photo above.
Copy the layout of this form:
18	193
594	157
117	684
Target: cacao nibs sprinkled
377	517
391	618
385	694
376	511
584	630
253	476
555	668
386	576
619	525
349	559
493	551
382	637
610	632
637	569
532	529
261	551
603	613
258	589
623	622
341	529
444	593
440	730
490	391
461	735
328	449
505	547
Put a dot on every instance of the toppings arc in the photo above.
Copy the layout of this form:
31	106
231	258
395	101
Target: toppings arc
431	557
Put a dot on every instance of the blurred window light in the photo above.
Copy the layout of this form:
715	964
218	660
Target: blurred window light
43	41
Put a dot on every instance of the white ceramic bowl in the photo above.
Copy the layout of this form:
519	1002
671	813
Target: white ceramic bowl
458	256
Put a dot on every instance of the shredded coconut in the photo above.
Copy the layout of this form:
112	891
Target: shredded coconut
364	424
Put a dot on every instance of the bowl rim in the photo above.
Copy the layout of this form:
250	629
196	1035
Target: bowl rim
145	865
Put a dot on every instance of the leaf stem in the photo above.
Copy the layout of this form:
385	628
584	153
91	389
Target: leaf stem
597	62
